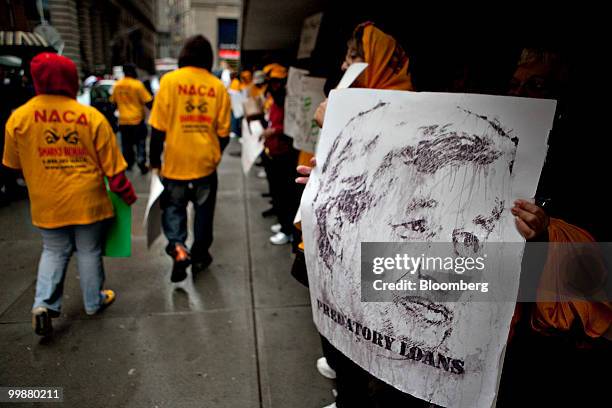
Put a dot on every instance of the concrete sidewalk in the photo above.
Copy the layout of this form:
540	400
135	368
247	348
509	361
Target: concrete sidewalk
241	335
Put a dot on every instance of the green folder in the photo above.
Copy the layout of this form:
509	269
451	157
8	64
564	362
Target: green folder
119	234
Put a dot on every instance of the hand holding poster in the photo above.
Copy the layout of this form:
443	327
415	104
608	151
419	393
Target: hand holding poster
420	168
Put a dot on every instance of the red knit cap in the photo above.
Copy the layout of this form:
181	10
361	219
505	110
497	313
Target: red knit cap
54	74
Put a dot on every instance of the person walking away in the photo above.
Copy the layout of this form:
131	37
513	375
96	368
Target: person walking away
191	114
65	150
131	97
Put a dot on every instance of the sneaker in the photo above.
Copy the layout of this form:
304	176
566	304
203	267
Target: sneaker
269	212
182	259
261	174
41	321
275	228
201	265
332	405
325	370
280	239
109	298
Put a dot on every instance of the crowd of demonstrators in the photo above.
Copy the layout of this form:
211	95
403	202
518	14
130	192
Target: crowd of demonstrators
58	142
190	123
579	331
130	96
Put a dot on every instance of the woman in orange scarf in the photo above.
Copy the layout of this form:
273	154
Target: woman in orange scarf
387	69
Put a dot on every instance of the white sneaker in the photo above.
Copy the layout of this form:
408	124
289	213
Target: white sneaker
280	239
325	370
276	228
261	174
332	405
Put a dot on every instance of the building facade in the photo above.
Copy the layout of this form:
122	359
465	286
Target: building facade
217	20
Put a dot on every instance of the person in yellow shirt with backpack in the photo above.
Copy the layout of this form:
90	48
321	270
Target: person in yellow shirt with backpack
131	97
191	114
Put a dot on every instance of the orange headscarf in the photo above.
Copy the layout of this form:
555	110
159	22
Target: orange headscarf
275	70
596	317
387	61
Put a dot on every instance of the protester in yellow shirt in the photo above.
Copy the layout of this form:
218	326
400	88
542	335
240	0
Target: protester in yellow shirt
65	150
191	113
131	97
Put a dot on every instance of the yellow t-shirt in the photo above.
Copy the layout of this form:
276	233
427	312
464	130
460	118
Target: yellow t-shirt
64	149
130	95
193	108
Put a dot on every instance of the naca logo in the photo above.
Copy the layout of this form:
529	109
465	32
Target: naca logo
70	136
202	106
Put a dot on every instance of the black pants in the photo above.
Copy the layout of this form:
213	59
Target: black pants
281	176
134	137
175	198
358	388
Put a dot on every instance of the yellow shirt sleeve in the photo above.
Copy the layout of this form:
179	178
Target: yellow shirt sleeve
145	96
11	153
224	118
110	159
159	114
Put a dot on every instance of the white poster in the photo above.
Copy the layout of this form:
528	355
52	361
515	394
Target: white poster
152	217
397	166
308	130
292	101
351	74
237	98
252	143
308	38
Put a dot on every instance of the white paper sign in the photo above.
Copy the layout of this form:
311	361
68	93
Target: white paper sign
312	95
252	143
308	38
351	74
388	161
152	217
237	98
293	100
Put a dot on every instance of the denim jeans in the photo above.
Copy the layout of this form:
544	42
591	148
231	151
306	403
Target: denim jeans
134	136
58	246
174	200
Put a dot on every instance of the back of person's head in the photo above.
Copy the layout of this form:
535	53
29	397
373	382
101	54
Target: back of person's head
54	74
197	52
129	70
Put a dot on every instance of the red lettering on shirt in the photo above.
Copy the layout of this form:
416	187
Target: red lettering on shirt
195	118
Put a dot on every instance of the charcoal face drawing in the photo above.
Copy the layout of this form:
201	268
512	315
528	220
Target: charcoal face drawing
428	189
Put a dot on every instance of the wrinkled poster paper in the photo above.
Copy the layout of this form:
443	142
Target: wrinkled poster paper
403	166
252	143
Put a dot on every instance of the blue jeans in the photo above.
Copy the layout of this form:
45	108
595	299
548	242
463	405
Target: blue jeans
58	246
174	200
